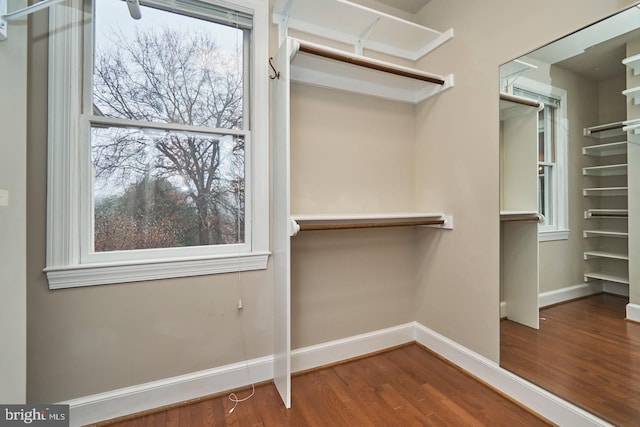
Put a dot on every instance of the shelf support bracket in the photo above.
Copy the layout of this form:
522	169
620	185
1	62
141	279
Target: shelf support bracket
447	225
294	227
364	36
283	22
6	17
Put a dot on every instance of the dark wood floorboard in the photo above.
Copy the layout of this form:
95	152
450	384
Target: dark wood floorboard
407	386
585	352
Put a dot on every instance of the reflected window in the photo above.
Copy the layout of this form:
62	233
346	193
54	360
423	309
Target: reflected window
552	165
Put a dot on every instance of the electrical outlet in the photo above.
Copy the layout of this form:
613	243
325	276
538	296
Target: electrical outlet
4	198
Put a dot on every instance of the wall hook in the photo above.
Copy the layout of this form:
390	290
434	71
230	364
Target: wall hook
276	73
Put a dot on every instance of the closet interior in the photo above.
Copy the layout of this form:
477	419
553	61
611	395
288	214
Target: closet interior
337	45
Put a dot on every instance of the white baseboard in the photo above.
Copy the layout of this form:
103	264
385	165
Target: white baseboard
633	312
616	288
541	401
142	397
569	293
347	348
117	403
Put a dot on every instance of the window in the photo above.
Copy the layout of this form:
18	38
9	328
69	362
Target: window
158	141
552	157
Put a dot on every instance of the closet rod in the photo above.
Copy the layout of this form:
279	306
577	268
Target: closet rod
609	215
604	128
523	217
355	225
313	50
519	100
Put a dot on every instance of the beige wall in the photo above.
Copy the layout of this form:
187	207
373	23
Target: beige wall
88	340
457	154
13	225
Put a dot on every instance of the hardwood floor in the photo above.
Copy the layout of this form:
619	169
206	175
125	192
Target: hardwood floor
406	386
584	352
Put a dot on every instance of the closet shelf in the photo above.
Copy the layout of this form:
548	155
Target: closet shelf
632	126
610	277
513	216
359	26
605	131
605	191
633	62
354	221
604	254
633	93
608	170
604	233
318	65
606	213
602	150
513	106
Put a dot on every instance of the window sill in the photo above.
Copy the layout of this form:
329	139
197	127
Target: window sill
547	236
74	276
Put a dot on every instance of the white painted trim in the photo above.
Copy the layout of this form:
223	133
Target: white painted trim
70	261
621	289
541	401
142	397
347	348
107	273
569	293
633	312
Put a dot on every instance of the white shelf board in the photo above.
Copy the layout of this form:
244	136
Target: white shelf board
604	233
602	150
606	213
322	71
605	254
607	130
633	62
610	277
633	93
351	23
364	217
605	191
510	215
608	170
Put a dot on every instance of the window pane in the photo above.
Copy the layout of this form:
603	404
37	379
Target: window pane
160	189
545	195
167	68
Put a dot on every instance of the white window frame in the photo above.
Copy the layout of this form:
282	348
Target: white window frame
68	215
559	230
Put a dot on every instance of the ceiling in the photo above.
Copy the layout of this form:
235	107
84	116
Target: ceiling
597	51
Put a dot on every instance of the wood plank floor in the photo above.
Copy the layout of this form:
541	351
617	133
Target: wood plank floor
406	386
584	352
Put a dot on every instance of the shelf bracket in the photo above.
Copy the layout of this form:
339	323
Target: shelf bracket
283	22
294	227
364	36
447	225
6	17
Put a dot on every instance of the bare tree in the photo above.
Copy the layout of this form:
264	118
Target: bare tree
178	77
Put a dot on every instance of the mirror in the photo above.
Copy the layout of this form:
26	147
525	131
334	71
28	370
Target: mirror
570	217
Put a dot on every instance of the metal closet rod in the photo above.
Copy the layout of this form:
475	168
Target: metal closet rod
523	217
519	100
363	63
356	225
606	128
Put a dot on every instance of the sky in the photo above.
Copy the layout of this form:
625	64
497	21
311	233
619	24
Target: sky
114	14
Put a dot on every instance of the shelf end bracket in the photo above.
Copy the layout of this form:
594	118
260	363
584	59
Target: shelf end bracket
364	36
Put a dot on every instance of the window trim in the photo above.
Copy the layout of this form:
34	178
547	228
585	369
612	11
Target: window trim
64	265
559	231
